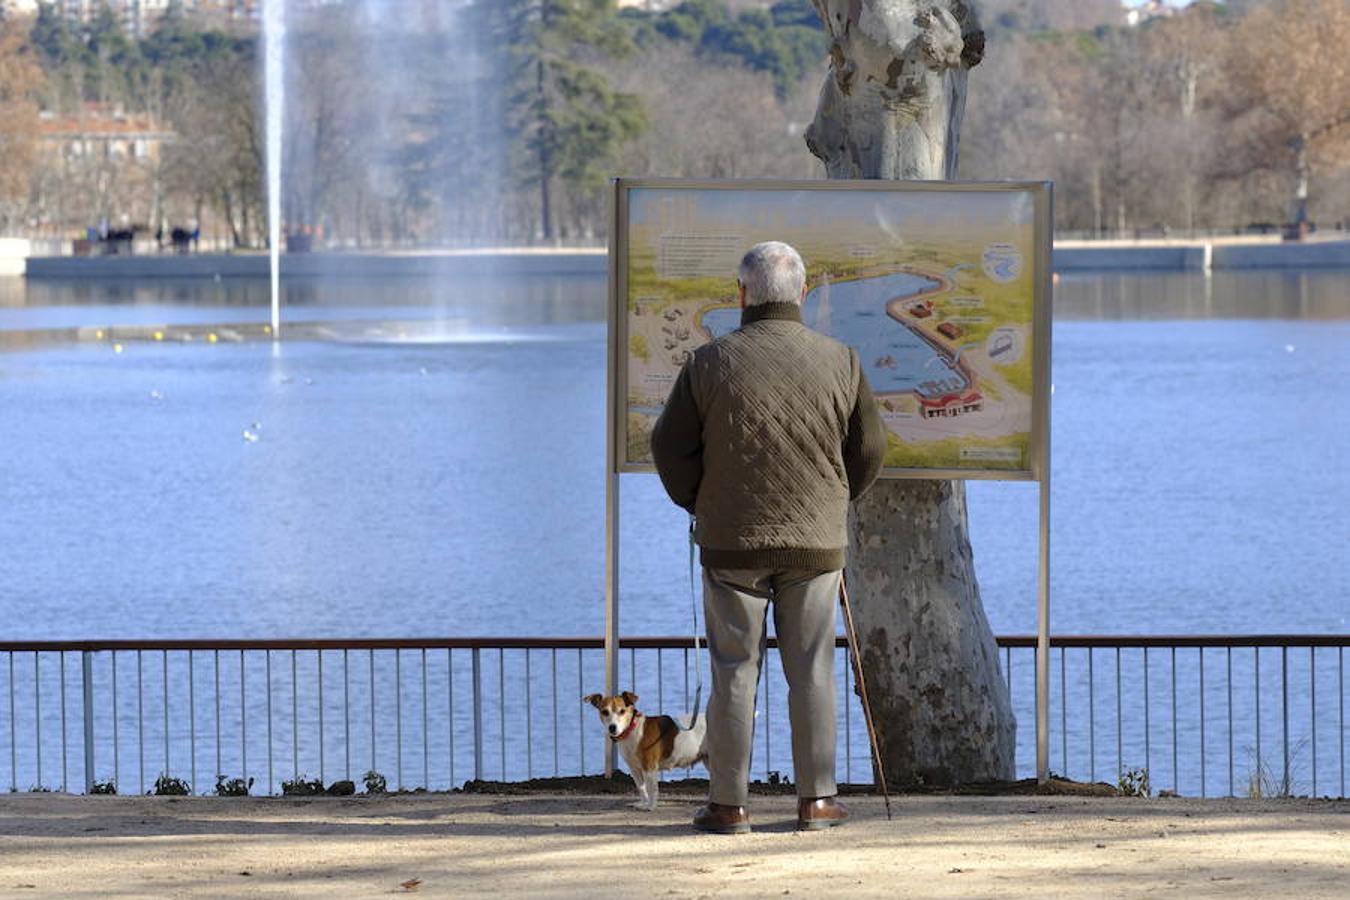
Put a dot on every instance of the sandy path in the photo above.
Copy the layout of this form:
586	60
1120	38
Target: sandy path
476	845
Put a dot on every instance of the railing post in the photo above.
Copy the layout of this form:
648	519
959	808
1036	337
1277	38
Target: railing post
1285	787
477	716
87	691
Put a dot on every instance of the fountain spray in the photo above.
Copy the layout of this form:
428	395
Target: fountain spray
274	42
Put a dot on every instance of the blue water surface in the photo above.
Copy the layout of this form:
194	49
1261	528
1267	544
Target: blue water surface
457	487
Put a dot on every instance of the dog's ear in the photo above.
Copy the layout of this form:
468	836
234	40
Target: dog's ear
593	699
630	698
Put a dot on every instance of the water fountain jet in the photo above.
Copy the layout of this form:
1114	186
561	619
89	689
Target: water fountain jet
274	42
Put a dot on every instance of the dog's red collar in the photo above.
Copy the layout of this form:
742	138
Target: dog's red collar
627	731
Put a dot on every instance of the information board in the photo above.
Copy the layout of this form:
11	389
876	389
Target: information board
943	288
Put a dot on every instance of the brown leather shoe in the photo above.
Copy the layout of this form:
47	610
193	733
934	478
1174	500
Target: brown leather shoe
716	818
819	814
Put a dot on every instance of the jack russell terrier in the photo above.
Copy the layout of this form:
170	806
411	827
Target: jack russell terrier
649	744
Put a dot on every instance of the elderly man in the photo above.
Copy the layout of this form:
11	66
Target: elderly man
768	433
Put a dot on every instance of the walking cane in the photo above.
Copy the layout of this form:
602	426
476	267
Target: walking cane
855	655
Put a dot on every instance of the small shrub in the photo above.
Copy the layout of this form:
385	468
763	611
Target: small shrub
341	789
233	787
103	787
299	787
1264	782
375	783
1134	783
168	786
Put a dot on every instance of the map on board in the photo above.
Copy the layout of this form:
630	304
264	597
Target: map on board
934	289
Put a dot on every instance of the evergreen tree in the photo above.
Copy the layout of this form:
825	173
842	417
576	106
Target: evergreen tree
563	118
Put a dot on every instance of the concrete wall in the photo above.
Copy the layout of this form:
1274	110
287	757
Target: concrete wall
1084	257
1179	257
1321	255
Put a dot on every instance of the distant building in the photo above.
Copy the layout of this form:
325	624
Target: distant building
1149	9
647	5
99	132
99	165
19	7
139	17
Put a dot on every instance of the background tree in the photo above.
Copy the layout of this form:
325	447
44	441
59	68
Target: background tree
1183	57
216	161
401	131
333	129
725	121
450	167
21	83
1039	16
566	121
784	39
1291	76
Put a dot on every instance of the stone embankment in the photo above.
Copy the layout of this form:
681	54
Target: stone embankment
1069	256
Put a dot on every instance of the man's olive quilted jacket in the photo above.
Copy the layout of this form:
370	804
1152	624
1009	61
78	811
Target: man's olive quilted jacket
768	433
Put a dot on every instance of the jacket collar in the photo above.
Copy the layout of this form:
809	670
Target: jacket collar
790	312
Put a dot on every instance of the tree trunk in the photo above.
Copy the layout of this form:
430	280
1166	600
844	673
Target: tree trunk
1300	211
1097	222
891	107
545	164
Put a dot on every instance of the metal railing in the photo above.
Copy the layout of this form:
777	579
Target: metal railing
1197	726
1198	715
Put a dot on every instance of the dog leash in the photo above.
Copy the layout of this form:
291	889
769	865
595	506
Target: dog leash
693	610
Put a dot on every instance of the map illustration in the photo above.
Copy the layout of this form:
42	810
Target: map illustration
934	289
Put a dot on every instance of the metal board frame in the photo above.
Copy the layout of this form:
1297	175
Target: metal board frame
1041	323
1038	469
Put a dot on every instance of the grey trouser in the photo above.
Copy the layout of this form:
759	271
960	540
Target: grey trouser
735	605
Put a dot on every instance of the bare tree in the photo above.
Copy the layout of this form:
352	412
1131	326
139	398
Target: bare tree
1051	15
20	82
216	161
1289	67
699	130
332	124
1183	54
1015	127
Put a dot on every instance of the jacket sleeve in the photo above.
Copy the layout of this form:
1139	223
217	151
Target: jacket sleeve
865	442
677	443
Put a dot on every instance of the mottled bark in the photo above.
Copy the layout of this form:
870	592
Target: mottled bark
892	104
891	107
931	664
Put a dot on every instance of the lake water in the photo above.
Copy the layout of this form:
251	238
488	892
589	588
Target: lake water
451	482
440	472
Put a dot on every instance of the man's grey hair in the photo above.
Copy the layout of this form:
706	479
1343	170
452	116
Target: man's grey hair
772	272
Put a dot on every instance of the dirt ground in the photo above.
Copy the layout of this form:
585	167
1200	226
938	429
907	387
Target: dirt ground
467	845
